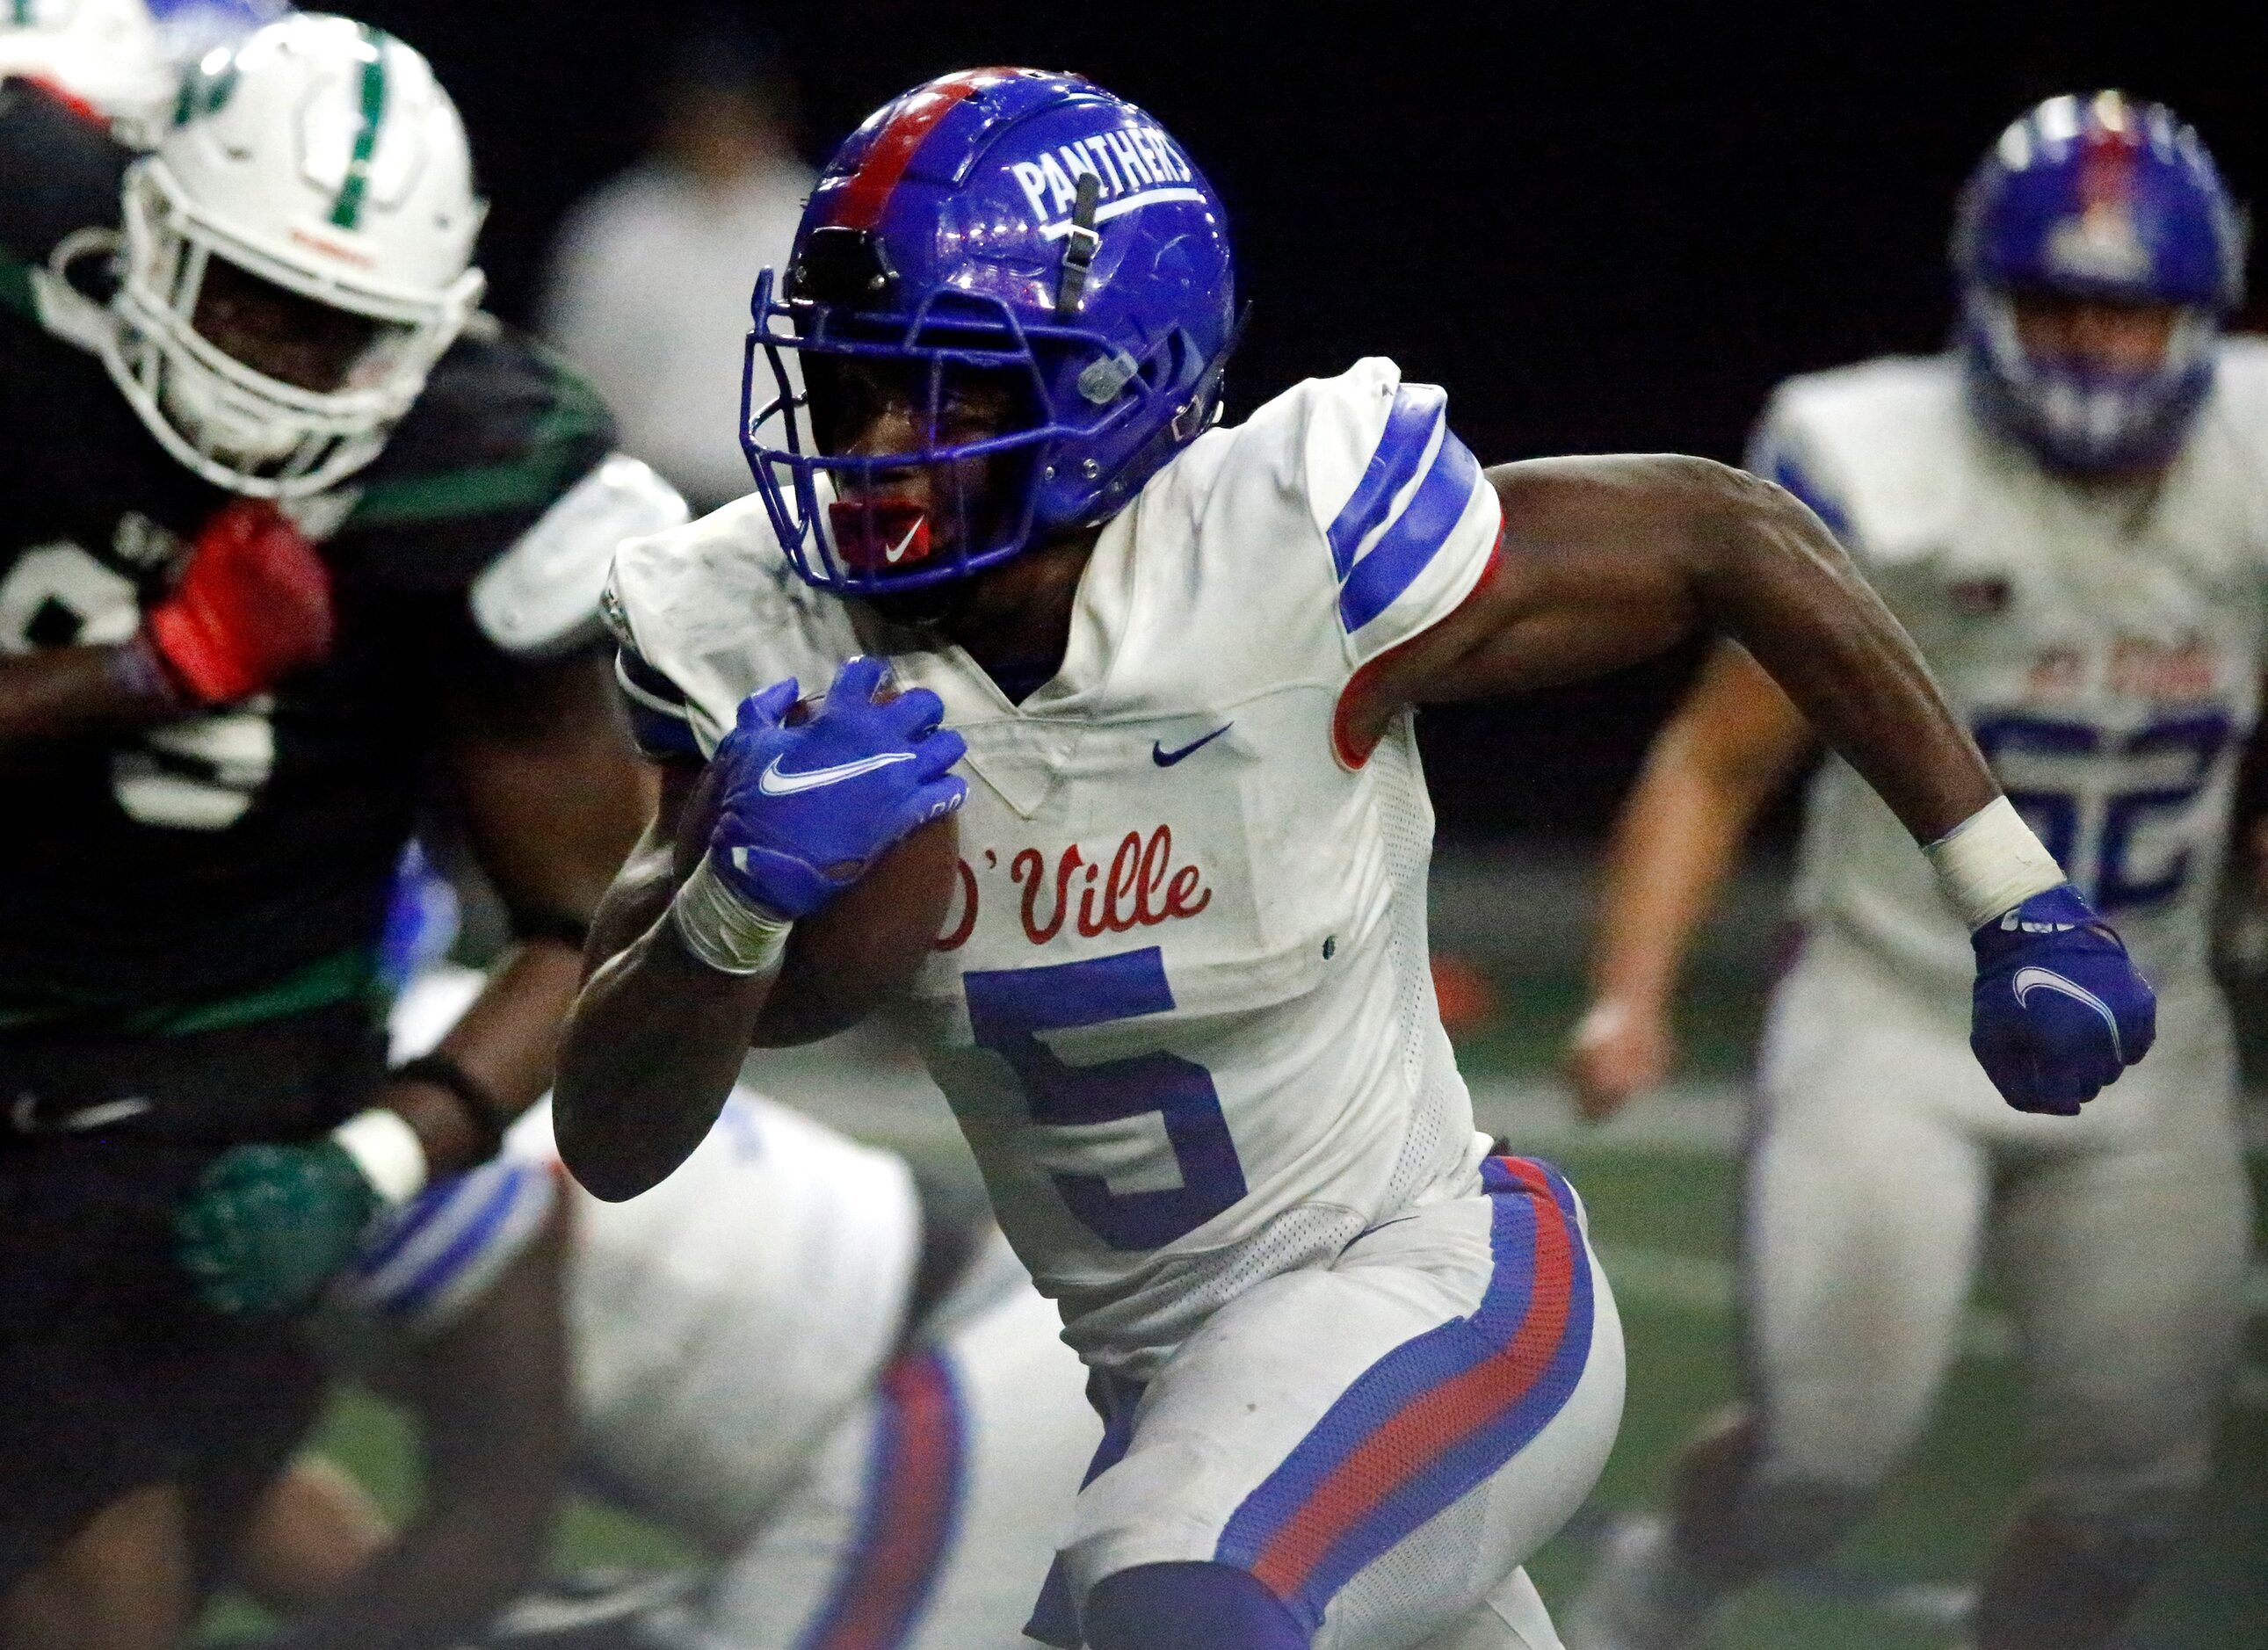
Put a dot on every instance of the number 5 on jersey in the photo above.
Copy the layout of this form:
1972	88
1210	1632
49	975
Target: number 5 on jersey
1009	1008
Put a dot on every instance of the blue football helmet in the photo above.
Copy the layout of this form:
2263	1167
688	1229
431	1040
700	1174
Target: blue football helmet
2096	197
1006	225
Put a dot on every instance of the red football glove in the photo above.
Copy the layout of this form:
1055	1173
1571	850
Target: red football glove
253	606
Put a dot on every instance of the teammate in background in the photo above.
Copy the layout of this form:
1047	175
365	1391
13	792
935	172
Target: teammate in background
1353	1367
647	287
833	1381
2071	514
287	525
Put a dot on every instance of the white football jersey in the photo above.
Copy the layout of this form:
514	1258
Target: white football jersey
1181	1003
722	1324
2103	644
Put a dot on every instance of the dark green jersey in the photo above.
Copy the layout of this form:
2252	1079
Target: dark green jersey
241	851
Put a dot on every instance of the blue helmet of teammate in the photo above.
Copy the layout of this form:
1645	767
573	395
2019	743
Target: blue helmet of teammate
2096	197
1009	226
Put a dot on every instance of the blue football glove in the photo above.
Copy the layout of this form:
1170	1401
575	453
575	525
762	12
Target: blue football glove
2057	1010
805	809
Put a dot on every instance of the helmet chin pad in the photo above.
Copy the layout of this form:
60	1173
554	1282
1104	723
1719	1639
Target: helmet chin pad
879	536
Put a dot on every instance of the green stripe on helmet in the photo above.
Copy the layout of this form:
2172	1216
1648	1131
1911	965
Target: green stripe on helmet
346	211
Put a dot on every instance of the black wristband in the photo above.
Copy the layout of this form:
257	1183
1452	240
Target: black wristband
482	1108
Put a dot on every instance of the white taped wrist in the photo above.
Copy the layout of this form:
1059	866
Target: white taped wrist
1991	863
725	931
387	1151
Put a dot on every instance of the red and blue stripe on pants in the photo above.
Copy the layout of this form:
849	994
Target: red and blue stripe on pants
915	1471
1437	1416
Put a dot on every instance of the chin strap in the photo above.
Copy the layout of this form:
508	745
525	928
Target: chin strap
1080	247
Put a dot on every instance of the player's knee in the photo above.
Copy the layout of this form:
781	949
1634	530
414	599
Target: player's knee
122	1582
1187	1605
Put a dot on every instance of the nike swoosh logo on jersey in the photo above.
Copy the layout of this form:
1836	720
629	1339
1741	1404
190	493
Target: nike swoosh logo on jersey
773	781
2035	979
1166	758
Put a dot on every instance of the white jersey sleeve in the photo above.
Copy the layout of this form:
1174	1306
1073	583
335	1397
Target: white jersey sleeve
1400	501
707	614
1379	519
423	1266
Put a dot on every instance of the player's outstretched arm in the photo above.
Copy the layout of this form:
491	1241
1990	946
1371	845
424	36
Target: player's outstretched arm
252	605
787	817
550	794
1711	768
1607	561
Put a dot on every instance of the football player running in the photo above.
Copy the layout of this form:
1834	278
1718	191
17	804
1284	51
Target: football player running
2071	513
829	1378
287	525
1353	1367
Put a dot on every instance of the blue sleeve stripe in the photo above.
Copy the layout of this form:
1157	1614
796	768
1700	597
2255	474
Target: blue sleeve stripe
658	736
1404	549
463	1248
398	1234
1401	454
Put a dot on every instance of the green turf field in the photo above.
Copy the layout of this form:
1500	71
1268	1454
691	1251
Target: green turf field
1662	1213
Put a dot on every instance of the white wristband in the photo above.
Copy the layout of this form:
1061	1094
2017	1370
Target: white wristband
1991	863
387	1151
725	931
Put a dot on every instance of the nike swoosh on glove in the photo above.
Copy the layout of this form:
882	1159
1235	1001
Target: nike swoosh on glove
2057	1010
806	808
270	1225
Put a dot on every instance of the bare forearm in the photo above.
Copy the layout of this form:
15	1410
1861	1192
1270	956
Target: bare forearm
1673	849
1609	560
1773	578
64	691
505	1043
1712	770
651	1049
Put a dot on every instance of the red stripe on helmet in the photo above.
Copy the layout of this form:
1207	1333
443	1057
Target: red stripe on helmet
894	147
2110	156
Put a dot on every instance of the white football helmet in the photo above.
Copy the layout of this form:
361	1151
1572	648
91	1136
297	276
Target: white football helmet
321	157
106	55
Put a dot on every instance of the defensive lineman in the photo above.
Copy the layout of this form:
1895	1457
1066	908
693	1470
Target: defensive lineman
260	336
1353	1368
2072	516
834	1381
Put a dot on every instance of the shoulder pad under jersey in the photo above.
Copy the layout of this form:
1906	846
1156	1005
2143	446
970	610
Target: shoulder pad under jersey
1405	515
1877	451
542	596
710	612
2239	394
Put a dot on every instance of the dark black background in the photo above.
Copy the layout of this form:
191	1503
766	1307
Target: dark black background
1602	227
